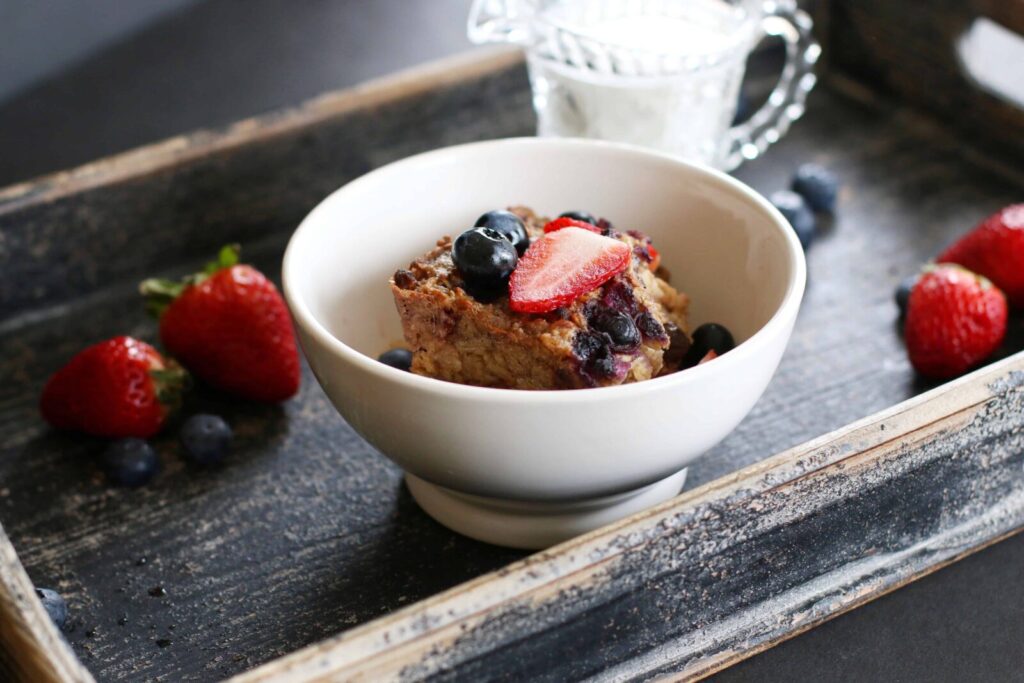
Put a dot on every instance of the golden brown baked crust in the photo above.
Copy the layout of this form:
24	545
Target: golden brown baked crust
458	338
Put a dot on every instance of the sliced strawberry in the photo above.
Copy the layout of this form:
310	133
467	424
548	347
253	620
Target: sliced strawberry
709	356
562	266
564	222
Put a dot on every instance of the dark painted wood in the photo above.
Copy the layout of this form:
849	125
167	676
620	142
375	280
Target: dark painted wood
776	559
702	581
909	48
306	531
163	207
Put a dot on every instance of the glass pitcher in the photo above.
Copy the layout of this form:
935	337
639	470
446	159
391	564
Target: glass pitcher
659	73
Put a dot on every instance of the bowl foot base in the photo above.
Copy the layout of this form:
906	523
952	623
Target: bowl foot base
532	526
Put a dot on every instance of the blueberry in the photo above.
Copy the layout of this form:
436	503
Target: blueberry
130	462
206	438
54	605
708	337
649	326
595	355
818	185
903	292
509	225
580	216
795	210
678	345
619	327
485	258
400	359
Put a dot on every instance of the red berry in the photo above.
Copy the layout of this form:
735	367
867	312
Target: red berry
120	387
995	249
955	320
231	328
708	357
655	257
562	266
565	222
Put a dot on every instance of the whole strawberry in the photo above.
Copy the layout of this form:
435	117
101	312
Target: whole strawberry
230	327
955	320
120	387
995	249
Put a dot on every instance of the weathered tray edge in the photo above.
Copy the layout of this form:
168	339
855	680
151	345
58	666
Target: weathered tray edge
69	217
31	645
180	149
423	639
465	66
41	653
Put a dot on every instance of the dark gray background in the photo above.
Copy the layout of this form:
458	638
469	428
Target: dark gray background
81	79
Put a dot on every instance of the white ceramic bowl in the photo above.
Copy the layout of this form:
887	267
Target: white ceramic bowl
530	468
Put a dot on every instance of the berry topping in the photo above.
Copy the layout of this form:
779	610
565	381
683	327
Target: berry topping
903	292
508	225
649	326
562	266
565	222
706	338
794	209
606	227
54	605
400	359
597	362
120	387
955	320
709	356
619	327
206	438
655	257
817	185
130	462
995	249
678	345
579	216
485	258
618	294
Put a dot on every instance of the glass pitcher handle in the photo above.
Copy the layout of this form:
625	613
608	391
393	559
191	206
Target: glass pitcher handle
786	103
497	21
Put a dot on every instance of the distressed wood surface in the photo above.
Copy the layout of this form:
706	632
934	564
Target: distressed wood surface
307	532
692	585
33	649
71	234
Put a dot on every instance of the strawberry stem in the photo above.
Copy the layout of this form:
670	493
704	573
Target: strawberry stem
160	293
226	257
170	383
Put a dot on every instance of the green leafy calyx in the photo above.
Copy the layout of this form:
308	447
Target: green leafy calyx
160	293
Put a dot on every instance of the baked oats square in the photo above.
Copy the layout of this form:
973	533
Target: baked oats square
630	328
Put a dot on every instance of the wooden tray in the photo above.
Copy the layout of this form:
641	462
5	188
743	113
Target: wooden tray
307	534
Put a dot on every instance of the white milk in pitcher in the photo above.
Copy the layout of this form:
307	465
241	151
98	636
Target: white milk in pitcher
667	80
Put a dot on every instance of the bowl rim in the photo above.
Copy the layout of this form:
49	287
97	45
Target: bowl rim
786	310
